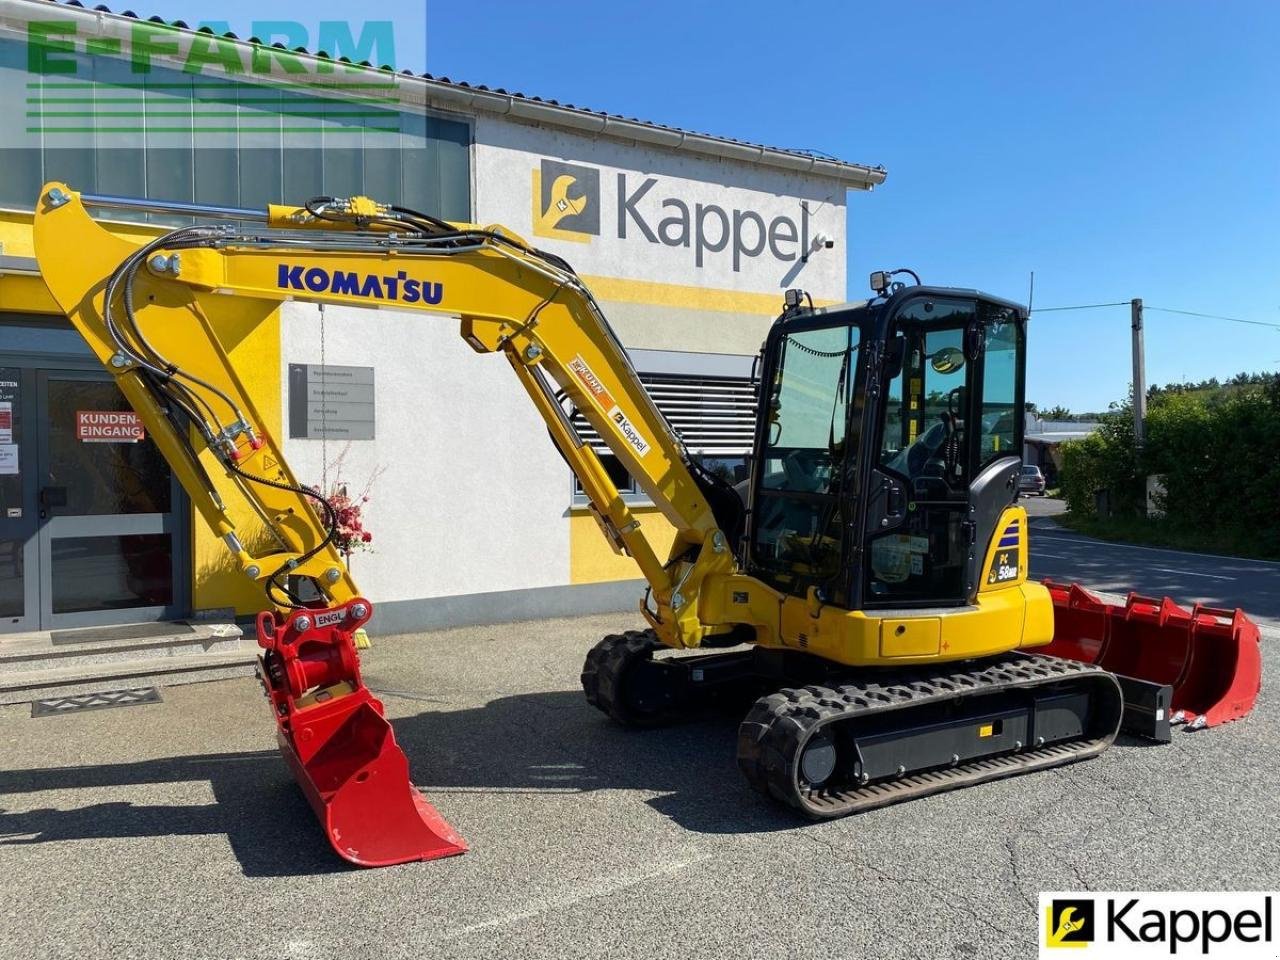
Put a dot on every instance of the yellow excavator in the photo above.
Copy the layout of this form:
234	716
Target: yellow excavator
868	583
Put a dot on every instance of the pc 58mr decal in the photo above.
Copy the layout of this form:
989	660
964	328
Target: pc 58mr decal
1004	566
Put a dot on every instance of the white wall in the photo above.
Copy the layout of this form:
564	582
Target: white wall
474	496
507	154
473	493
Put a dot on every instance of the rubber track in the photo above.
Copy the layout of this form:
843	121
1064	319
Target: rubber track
778	726
604	667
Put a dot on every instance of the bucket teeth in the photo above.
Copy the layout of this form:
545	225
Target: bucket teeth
1210	657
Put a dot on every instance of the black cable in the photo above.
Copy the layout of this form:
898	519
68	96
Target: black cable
1080	306
1214	316
331	532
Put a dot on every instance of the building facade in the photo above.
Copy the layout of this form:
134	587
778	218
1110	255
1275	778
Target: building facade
687	240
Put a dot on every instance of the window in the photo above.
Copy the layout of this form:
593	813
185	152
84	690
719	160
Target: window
925	442
189	137
797	518
808	407
1000	411
715	416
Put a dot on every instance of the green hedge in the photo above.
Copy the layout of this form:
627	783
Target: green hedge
1219	456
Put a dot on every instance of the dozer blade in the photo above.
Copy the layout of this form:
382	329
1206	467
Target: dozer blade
1209	657
340	747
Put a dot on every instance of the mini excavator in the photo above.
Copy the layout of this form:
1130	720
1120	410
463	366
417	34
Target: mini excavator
868	582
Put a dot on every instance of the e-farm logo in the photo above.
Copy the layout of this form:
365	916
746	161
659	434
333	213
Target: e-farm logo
138	76
1107	925
568	205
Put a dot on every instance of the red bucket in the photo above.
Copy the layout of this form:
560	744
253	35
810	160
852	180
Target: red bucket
1210	657
340	747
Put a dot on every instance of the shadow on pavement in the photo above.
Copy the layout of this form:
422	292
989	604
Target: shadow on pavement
542	743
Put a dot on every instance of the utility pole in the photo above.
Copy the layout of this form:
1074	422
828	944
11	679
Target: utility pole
1139	375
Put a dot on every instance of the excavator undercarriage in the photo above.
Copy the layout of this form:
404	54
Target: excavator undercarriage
834	741
867	586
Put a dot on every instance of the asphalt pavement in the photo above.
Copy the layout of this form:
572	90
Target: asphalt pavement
174	830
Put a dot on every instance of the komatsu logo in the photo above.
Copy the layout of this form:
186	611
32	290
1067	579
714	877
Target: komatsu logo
398	287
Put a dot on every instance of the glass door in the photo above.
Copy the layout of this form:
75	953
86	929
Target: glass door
920	544
19	561
111	543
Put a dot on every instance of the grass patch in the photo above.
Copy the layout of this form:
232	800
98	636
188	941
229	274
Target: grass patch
1150	532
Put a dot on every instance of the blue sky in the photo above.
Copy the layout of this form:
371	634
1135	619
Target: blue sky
1118	149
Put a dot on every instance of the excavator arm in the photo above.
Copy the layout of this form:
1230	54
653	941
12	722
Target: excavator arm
164	313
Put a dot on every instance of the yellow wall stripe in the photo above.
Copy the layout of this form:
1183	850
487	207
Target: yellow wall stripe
681	295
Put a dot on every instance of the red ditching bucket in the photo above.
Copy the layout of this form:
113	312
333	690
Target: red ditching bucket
1210	657
340	747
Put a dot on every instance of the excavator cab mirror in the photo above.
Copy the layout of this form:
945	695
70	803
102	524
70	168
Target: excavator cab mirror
947	360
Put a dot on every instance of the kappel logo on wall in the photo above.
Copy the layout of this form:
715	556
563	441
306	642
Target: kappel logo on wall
566	201
568	204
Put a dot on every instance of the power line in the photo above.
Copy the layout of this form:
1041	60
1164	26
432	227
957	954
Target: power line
1214	316
1082	306
1185	313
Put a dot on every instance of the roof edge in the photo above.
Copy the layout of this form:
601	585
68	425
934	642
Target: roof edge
442	92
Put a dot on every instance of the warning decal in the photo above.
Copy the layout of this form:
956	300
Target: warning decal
109	426
629	432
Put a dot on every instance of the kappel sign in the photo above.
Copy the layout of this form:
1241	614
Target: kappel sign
109	426
567	205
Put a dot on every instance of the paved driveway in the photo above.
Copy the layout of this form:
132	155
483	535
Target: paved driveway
174	830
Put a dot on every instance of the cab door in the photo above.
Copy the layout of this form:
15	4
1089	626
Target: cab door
946	460
918	530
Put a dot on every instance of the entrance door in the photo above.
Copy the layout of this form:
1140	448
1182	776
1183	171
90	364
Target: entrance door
99	529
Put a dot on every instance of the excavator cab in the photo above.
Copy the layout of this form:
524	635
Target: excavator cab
889	439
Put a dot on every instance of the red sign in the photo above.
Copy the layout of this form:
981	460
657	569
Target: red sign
109	426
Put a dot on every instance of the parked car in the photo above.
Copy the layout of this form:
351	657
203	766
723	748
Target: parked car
1031	480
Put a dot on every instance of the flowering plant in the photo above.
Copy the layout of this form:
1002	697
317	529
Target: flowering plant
351	535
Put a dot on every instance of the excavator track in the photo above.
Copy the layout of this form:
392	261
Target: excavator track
613	675
829	751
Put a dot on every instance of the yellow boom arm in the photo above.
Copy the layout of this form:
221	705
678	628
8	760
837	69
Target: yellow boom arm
193	293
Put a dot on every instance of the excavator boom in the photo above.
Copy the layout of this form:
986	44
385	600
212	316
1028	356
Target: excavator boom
162	323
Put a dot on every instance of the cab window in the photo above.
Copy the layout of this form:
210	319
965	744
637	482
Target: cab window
797	512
